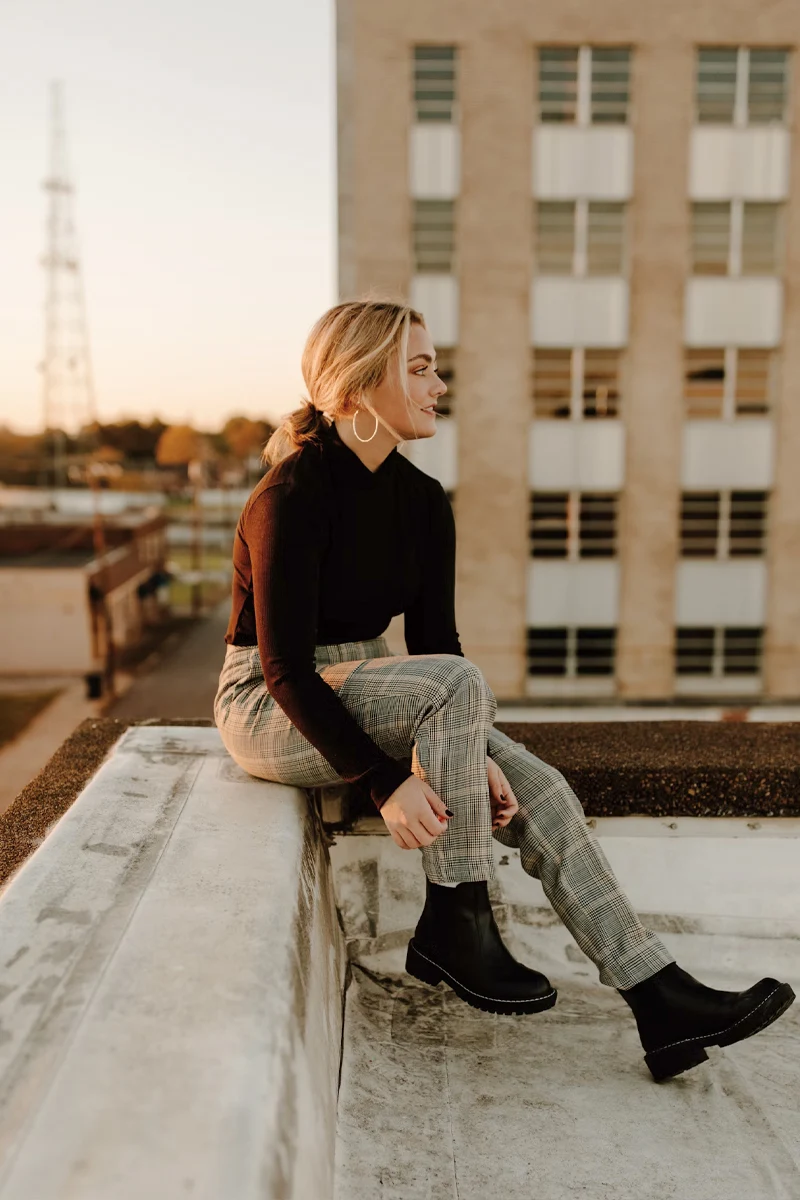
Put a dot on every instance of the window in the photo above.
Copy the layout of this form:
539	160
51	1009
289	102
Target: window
717	652
736	237
723	525
579	383
434	83
549	528
547	651
434	240
748	522
598	526
567	652
741	651
755	382
711	236
760	238
584	85
741	86
558	84
445	361
731	382
580	237
715	83
610	81
767	86
694	651
601	383
700	513
552	383
704	382
555	236
595	651
573	525
604	238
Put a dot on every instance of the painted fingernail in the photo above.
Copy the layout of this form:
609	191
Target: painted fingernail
450	814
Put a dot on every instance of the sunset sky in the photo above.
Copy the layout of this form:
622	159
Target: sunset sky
201	140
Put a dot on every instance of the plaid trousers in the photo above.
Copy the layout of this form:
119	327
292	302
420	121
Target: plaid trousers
437	712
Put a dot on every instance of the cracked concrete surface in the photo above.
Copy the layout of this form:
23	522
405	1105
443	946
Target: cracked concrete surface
440	1101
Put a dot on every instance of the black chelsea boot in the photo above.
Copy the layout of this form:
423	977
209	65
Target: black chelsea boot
457	940
677	1016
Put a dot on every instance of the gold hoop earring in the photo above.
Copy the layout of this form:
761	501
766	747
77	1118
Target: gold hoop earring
355	431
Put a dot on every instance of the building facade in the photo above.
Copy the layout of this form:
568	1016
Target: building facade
597	208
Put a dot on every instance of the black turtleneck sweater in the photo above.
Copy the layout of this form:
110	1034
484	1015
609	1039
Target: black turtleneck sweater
327	550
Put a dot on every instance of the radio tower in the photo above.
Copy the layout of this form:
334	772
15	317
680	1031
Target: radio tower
68	398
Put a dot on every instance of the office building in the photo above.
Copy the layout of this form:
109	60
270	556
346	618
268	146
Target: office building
597	208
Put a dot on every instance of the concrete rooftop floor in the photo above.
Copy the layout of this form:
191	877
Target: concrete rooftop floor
439	1101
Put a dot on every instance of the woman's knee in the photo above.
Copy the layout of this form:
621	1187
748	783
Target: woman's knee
459	673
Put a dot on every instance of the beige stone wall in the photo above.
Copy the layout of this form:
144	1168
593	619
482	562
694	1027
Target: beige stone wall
782	648
494	238
649	510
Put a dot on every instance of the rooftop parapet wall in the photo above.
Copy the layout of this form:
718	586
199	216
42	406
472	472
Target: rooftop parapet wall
617	768
172	990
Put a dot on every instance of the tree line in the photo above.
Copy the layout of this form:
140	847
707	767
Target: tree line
132	448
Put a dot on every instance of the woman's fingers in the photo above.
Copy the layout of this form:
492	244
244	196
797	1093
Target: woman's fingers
429	825
407	839
504	811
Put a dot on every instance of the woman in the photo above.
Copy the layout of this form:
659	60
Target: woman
340	535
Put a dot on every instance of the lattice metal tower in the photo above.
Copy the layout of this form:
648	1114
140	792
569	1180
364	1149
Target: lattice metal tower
68	396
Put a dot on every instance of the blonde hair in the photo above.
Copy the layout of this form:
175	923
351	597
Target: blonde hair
348	351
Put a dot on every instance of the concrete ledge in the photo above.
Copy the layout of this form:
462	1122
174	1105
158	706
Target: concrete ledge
171	1001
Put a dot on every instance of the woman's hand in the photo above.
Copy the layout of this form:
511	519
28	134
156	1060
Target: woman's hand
414	814
503	801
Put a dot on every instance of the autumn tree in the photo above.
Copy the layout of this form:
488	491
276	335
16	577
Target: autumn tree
244	436
179	445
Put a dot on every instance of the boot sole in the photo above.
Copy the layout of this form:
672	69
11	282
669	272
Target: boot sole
424	968
681	1056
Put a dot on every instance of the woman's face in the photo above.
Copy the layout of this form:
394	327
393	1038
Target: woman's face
424	389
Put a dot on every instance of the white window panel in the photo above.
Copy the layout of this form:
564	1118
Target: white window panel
547	688
436	297
714	686
437	455
728	592
733	312
435	153
728	454
570	161
570	312
751	163
576	455
572	593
